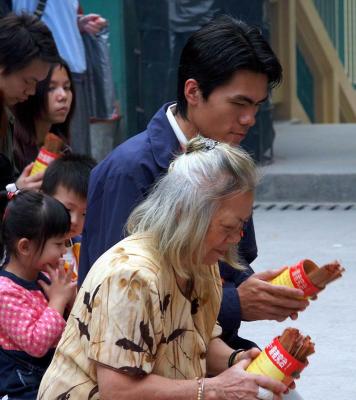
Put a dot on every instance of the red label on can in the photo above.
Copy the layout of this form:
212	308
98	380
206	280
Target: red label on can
301	281
46	157
286	363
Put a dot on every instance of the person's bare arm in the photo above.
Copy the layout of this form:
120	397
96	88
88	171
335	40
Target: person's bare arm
219	354
217	357
116	386
234	383
260	300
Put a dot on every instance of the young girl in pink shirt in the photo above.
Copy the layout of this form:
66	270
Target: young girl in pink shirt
35	290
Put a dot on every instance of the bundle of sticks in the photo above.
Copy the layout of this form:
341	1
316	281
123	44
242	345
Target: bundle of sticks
50	150
53	143
320	277
285	357
297	345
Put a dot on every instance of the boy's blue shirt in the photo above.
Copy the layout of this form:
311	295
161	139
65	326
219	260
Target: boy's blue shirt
122	181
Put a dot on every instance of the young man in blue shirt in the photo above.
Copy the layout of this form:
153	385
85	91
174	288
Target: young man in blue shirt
225	72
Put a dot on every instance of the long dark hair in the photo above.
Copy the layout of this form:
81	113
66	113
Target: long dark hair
33	108
35	216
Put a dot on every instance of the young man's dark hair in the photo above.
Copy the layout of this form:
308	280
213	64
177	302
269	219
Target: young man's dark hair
71	171
214	53
23	39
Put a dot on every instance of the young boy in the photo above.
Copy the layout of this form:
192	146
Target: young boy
67	180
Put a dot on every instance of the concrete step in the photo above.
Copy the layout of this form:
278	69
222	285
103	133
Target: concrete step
312	163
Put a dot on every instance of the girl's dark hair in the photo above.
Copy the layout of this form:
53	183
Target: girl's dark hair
35	216
32	109
222	47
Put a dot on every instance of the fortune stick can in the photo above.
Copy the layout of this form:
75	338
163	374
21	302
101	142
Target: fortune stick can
306	275
284	358
297	277
50	151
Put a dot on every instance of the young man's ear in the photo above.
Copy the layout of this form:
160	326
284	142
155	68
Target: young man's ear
24	247
192	92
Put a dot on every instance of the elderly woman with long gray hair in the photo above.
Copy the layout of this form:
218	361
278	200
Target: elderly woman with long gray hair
144	323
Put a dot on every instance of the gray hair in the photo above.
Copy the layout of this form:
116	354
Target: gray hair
178	212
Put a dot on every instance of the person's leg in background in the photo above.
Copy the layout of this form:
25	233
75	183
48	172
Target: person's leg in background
79	128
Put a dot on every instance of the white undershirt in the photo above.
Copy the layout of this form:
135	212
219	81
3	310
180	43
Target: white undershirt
174	124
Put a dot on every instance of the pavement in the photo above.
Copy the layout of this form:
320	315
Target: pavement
311	163
304	215
284	238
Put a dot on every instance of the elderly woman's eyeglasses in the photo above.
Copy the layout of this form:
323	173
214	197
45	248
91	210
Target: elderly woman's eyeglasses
235	230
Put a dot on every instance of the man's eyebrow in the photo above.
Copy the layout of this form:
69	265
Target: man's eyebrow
248	99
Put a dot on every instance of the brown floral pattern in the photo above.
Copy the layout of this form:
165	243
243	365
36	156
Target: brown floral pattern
130	315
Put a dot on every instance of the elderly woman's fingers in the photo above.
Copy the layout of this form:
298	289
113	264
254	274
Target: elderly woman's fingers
248	355
236	383
278	388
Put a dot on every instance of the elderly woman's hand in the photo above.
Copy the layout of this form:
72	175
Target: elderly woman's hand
235	383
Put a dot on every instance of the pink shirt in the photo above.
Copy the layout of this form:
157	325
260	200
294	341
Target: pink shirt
26	322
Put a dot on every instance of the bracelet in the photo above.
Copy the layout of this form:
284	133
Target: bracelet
12	190
232	357
201	382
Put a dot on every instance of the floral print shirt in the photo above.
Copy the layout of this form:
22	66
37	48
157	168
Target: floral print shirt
131	316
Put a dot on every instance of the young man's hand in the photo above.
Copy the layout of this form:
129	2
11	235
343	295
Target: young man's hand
260	300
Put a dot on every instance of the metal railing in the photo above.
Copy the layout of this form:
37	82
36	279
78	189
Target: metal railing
339	18
305	86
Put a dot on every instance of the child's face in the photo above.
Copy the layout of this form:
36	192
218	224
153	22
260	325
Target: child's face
76	206
52	251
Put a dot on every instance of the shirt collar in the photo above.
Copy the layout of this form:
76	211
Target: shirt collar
174	124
